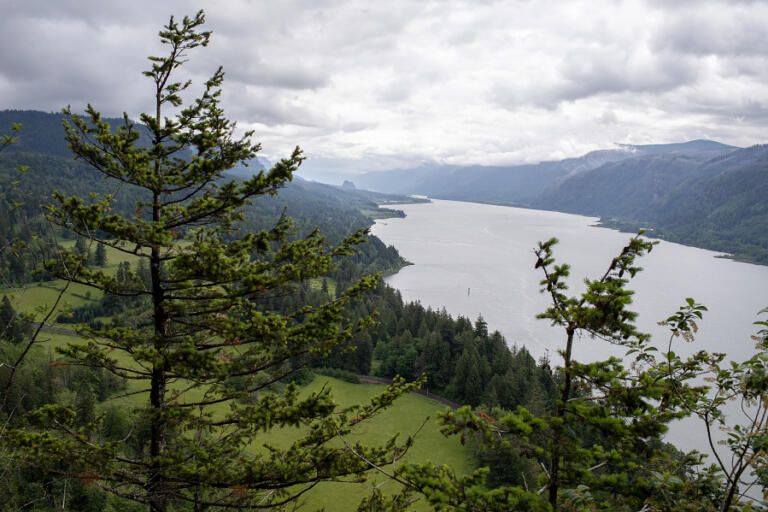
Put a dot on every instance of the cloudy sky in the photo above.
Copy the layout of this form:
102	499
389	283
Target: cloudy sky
372	85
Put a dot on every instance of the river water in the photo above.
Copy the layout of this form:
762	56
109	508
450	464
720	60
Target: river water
477	259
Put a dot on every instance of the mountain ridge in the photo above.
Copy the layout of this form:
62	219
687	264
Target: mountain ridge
699	192
519	184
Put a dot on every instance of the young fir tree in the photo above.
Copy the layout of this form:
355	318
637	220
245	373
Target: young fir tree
100	255
202	445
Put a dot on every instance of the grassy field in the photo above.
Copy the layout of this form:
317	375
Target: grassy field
37	299
316	284
381	213
404	418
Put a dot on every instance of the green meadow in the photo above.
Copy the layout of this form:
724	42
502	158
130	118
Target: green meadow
411	414
38	298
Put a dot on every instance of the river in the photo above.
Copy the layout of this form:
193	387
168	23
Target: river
477	259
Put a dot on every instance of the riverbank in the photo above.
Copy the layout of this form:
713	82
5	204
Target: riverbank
736	251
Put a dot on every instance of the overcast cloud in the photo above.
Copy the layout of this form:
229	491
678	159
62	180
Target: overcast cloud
370	85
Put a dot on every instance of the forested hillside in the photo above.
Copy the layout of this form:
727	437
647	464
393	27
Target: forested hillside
701	193
43	133
39	163
621	189
717	204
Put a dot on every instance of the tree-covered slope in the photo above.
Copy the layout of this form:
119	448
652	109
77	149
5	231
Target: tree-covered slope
42	133
726	212
523	184
48	166
628	188
717	204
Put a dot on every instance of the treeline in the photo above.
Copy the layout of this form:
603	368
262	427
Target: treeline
314	206
462	361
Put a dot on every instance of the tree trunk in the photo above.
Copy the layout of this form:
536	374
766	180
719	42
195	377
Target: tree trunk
155	484
554	466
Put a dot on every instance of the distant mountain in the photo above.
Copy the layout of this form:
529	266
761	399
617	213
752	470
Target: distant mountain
659	185
402	181
725	208
699	149
627	188
254	166
517	184
520	184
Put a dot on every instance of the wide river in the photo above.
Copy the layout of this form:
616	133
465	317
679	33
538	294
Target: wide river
477	259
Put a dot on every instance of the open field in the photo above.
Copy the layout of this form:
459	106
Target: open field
404	418
36	299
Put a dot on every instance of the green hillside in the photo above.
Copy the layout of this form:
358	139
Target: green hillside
718	204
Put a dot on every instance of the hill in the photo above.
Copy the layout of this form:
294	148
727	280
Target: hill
41	147
42	133
718	204
699	192
628	188
521	184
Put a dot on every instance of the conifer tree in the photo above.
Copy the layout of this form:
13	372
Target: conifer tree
7	319
14	326
81	246
202	445
100	255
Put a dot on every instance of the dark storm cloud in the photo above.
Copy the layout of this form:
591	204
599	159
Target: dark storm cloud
59	59
74	52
